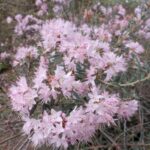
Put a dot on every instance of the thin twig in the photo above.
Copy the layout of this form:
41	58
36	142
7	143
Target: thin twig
20	141
127	84
141	126
107	83
134	127
124	135
3	90
23	144
13	137
108	137
136	82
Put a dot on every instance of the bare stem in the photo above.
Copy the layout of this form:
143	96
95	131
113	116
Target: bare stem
127	84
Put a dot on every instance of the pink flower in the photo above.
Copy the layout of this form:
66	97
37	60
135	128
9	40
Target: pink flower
4	55
55	31
22	96
134	47
40	13
103	34
27	23
38	2
138	12
121	10
29	124
41	73
23	52
66	82
91	74
18	17
91	49
128	109
113	65
44	93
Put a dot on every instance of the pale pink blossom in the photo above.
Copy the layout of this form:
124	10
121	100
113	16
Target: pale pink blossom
23	52
41	73
66	82
38	2
43	9
22	96
64	49
127	109
138	12
4	55
54	31
121	10
113	65
134	47
103	34
27	23
44	93
98	111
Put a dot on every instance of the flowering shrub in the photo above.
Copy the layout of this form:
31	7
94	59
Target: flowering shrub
72	62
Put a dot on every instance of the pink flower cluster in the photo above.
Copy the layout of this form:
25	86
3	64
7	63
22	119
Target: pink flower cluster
96	52
77	48
27	23
4	55
59	6
134	47
60	130
144	32
42	6
22	96
23	52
